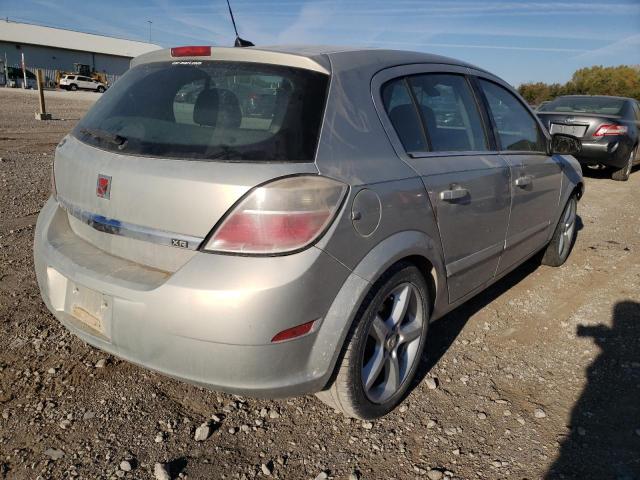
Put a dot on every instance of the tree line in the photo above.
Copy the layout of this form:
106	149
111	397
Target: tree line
623	81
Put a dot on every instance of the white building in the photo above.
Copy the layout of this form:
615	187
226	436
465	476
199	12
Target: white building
58	49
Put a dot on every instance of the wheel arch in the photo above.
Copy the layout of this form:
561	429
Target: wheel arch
413	247
426	268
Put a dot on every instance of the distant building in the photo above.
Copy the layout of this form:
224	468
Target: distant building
58	49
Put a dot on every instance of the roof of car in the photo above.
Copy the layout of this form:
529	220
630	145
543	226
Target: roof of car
364	53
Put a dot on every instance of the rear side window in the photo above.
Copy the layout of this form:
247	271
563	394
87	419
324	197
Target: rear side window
210	110
449	112
435	112
517	129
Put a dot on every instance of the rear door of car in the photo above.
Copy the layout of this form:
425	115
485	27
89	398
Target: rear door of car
84	82
437	126
536	176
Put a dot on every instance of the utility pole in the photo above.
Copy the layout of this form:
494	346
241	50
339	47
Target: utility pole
42	115
24	73
6	70
149	22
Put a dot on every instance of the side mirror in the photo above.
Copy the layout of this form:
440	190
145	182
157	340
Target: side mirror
564	144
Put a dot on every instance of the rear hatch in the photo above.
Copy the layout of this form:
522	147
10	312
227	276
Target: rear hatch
175	143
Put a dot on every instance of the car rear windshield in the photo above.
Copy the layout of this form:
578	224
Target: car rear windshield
597	105
210	110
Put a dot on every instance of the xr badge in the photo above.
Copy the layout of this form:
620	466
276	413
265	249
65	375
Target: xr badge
179	243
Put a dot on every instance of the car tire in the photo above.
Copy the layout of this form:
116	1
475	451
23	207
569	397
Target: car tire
623	174
73	87
387	337
564	236
100	89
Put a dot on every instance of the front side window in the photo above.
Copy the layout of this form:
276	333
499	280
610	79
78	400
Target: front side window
449	112
517	129
210	110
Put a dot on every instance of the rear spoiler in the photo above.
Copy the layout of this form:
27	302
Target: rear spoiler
250	54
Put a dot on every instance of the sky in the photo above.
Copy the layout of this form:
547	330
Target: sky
520	41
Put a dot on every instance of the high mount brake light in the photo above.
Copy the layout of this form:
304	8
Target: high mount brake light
191	51
609	129
282	216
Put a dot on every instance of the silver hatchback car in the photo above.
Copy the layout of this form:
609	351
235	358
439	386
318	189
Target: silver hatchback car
282	221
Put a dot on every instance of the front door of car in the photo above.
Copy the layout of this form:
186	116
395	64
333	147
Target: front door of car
444	137
635	117
535	176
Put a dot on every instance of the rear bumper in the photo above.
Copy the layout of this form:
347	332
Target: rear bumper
612	153
210	323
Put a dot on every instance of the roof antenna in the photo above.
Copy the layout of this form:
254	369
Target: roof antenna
240	42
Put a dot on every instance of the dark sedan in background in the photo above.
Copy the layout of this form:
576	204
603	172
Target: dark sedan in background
608	127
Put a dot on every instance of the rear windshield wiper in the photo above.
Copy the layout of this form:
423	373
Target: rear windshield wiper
225	153
105	136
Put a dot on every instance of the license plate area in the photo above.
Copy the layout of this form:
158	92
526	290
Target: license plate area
574	130
89	309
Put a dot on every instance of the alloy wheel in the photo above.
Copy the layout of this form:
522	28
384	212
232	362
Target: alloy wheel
393	343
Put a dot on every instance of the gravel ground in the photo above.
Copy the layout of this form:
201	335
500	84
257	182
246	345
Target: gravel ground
538	377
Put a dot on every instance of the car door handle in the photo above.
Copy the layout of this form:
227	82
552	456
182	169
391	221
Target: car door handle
524	181
453	194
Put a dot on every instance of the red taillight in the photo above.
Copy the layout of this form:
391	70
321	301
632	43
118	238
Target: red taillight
610	129
283	216
192	51
284	230
293	332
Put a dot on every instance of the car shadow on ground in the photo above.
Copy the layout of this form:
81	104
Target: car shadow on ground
443	332
603	173
603	436
603	439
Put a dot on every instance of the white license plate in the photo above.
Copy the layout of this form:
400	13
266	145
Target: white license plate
574	130
90	308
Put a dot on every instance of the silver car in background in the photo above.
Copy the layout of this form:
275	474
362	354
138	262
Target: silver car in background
282	221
